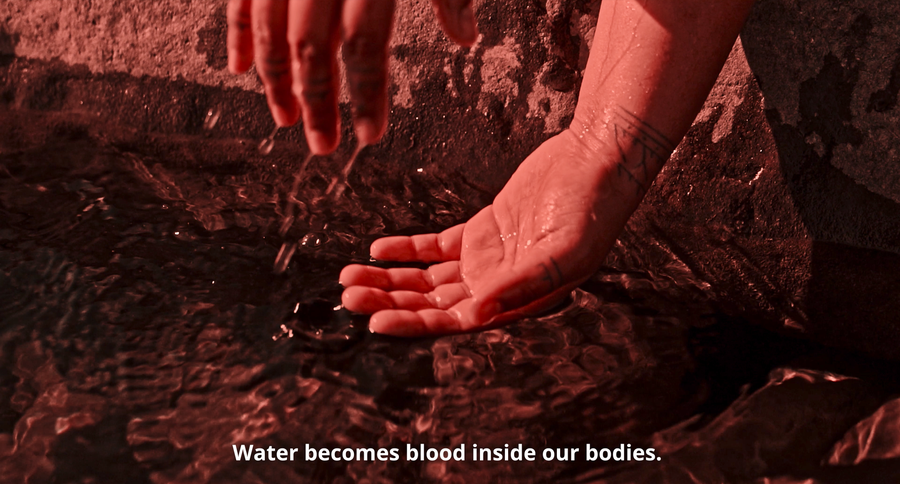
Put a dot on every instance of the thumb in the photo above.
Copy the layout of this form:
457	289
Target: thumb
531	285
457	17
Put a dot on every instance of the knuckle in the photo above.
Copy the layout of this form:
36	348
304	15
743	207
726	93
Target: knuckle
310	52
237	17
316	90
275	68
364	52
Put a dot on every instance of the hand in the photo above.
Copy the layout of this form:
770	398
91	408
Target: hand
295	43
547	231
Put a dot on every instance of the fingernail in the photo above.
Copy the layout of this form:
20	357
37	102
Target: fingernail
466	19
367	131
283	118
319	142
376	326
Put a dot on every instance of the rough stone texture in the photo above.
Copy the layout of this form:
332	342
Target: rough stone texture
783	195
160	39
831	72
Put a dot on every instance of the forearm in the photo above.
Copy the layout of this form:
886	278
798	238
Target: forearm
652	65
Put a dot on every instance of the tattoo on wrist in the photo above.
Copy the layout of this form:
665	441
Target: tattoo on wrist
642	149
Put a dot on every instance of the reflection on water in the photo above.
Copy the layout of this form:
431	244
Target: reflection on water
144	332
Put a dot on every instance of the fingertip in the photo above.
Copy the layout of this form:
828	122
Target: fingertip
365	300
321	143
467	28
237	65
349	298
368	131
377	249
378	324
285	113
396	323
282	103
347	274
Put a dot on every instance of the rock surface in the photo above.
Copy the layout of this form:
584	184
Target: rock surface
792	160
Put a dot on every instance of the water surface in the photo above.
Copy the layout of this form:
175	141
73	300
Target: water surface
143	332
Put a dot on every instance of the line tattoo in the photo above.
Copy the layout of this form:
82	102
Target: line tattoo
642	149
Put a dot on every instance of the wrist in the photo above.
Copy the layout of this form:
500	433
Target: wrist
628	151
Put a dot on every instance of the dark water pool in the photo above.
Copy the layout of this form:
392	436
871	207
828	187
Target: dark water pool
143	333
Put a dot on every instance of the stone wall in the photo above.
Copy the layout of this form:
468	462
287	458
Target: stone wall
784	195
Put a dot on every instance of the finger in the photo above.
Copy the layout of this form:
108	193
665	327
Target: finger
406	279
427	322
367	31
314	33
444	246
448	295
529	282
366	300
457	17
240	37
369	300
269	23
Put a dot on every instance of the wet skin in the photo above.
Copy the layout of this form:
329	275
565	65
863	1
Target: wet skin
651	66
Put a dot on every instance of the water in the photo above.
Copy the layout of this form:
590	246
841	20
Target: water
339	183
268	143
287	219
212	117
143	333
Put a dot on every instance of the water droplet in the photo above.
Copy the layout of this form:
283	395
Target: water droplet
284	257
212	117
286	223
311	239
336	188
266	145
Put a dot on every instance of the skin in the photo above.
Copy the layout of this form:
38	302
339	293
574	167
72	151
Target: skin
295	43
652	64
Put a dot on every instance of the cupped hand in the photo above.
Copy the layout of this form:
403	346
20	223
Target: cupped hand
547	231
295	43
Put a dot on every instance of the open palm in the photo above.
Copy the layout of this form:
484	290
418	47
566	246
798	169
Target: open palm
548	230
